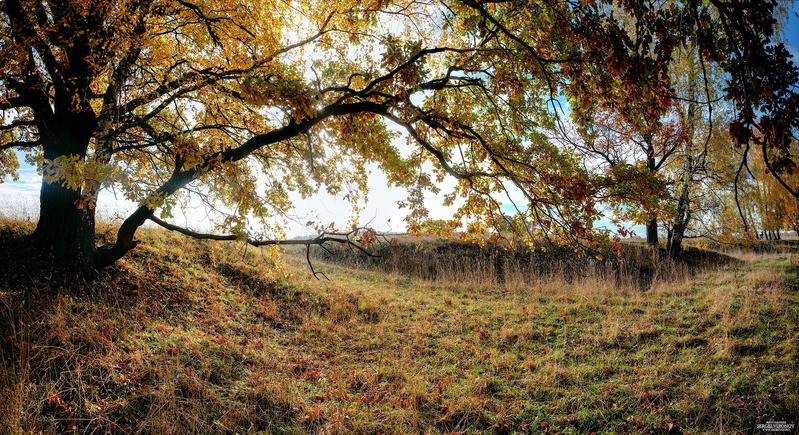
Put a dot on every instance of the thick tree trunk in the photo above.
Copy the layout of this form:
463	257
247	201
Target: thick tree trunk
65	229
66	221
652	231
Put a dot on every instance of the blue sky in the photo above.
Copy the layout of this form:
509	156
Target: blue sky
792	33
21	197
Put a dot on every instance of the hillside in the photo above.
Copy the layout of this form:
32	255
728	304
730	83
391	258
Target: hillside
191	337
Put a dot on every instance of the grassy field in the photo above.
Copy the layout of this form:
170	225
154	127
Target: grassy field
191	337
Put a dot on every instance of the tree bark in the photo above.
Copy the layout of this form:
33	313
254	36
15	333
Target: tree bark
683	215
652	230
65	230
680	223
125	241
66	222
652	224
107	255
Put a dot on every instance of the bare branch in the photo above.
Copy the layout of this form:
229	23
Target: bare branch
20	144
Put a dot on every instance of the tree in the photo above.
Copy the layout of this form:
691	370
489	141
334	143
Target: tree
159	97
630	158
163	98
773	207
629	53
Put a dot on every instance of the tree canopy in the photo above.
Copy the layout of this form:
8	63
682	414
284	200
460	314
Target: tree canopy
242	103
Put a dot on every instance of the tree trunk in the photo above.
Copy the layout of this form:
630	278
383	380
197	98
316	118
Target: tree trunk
669	235
65	229
676	242
652	230
652	223
66	221
683	215
680	223
499	266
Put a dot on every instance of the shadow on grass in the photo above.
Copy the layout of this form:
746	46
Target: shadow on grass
150	345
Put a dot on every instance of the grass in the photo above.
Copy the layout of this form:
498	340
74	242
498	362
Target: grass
191	337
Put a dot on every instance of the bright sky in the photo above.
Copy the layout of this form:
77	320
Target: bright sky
20	198
792	32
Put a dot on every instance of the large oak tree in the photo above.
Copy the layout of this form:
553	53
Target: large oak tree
243	102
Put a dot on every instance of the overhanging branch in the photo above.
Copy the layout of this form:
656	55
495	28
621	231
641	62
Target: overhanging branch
344	238
20	144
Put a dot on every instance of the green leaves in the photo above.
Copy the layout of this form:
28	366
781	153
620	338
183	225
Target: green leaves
73	172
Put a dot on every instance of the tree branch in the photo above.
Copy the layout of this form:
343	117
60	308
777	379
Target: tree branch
20	144
346	238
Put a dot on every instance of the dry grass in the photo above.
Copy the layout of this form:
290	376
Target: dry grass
188	337
455	263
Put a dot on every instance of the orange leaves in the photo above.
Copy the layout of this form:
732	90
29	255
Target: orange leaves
175	86
315	415
282	88
442	384
482	332
368	237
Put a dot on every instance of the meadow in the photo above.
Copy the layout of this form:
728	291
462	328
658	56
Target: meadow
186	336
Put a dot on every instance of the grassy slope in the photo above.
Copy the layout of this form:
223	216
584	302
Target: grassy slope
197	337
